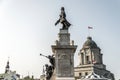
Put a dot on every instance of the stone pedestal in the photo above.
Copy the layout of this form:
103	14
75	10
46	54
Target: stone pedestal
64	56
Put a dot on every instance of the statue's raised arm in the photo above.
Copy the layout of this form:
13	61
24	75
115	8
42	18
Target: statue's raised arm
62	19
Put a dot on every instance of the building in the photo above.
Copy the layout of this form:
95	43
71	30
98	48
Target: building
9	75
91	61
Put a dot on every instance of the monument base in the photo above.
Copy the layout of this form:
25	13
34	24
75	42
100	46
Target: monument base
65	78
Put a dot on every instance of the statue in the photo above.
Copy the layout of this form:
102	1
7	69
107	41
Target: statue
63	20
49	71
51	59
49	68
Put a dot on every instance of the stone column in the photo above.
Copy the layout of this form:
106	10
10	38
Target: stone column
84	57
64	56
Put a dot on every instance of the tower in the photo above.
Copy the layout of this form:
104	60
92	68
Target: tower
90	53
64	51
91	61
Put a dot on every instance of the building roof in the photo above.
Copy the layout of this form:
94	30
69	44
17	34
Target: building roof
89	43
93	76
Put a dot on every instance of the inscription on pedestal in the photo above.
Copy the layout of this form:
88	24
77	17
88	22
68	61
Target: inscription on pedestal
64	66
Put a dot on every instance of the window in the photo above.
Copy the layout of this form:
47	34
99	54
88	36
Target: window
86	73
80	75
87	58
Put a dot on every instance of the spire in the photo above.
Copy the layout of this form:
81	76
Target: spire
43	70
7	68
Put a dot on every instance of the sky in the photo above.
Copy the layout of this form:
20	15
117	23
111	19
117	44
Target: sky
27	29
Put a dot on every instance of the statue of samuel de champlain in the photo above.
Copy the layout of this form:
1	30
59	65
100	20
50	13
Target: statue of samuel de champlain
62	20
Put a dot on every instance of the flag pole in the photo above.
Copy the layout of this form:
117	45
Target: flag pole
89	28
88	32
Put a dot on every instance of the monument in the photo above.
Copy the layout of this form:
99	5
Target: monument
91	65
64	50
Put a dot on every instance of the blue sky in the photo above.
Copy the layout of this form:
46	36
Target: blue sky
27	29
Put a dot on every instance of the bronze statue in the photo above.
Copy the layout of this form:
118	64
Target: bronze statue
51	59
49	71
49	68
63	20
